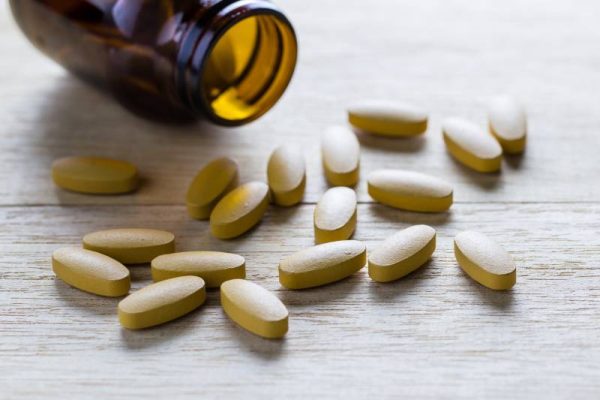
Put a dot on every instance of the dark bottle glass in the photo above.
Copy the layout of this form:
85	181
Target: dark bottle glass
227	60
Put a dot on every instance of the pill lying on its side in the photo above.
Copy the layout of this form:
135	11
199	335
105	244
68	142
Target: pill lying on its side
286	174
388	118
335	215
254	308
340	152
131	245
484	260
508	123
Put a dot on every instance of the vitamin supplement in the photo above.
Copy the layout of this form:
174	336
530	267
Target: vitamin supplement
388	119
484	260
340	151
215	180
335	215
286	174
91	271
214	267
508	124
239	210
95	175
472	146
402	253
162	302
254	308
411	191
322	264
131	245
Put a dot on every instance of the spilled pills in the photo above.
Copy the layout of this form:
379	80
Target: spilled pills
340	152
388	118
508	123
286	174
131	246
335	215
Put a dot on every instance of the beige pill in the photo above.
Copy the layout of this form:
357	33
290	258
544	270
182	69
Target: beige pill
402	253
286	174
254	308
340	151
239	210
162	302
335	215
91	271
411	191
215	180
388	118
214	267
484	260
95	175
508	123
322	264
471	145
131	245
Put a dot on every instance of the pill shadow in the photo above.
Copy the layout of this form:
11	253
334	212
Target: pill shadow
487	181
329	293
501	300
390	214
406	286
514	161
389	144
266	349
88	303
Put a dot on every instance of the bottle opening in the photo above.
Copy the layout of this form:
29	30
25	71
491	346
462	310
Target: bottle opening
249	68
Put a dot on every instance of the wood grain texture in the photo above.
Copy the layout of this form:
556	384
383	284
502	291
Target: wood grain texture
435	334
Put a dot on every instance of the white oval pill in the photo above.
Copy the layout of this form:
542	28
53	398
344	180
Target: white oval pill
214	267
240	210
322	264
131	245
335	215
254	308
161	302
388	118
484	260
402	253
91	271
95	175
508	123
411	191
286	174
340	151
213	181
471	145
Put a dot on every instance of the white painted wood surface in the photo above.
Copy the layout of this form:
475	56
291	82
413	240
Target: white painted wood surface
435	334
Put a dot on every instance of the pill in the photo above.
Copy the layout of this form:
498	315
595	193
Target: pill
239	210
471	145
131	245
161	302
94	175
340	151
254	308
214	267
409	190
91	271
213	181
335	215
388	118
322	264
484	260
402	253
508	123
286	174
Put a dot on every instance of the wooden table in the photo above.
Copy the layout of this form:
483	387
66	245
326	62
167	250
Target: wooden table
434	334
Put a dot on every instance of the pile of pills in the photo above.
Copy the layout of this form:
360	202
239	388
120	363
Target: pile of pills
216	195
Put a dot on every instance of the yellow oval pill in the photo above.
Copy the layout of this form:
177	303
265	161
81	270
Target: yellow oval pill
131	245
239	210
411	191
254	308
91	271
215	180
484	260
508	123
335	215
340	151
214	267
161	302
402	253
286	174
322	264
471	145
94	175
388	118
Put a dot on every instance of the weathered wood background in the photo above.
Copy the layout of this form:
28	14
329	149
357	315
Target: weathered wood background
435	334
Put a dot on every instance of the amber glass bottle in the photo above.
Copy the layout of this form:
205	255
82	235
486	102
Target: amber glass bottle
226	60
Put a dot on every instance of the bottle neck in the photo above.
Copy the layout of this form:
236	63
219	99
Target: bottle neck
236	61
